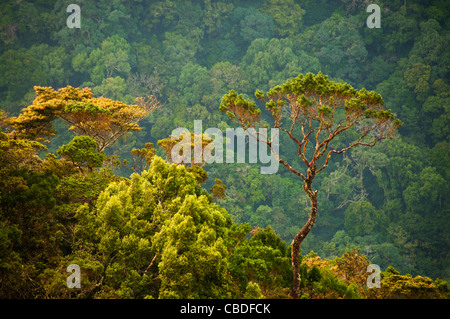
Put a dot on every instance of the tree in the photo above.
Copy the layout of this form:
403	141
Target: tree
316	111
193	252
417	77
430	47
179	50
437	112
142	158
404	29
21	70
396	286
155	235
338	45
214	14
247	24
194	82
325	279
113	57
102	119
267	67
99	21
370	159
361	218
113	87
261	260
185	150
82	152
286	14
218	189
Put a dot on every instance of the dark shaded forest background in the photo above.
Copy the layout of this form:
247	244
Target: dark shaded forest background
388	201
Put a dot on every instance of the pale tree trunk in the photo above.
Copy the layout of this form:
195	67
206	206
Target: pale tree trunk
298	239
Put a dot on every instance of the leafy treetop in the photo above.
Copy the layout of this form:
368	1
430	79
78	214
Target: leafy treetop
102	119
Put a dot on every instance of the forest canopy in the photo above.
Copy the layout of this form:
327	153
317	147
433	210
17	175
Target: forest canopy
86	117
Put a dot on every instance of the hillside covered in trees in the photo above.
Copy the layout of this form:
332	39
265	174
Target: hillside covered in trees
86	175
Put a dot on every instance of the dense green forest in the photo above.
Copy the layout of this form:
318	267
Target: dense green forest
85	117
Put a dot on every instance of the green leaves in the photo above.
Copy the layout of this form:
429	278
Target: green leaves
191	53
240	109
361	218
82	152
286	14
88	107
237	100
158	225
193	254
112	58
269	62
259	94
262	260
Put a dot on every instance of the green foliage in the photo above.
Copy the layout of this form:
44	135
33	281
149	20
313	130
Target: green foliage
267	68
338	45
156	235
193	81
193	254
82	152
252	291
113	87
361	218
396	286
112	58
248	24
286	14
323	278
262	259
389	200
218	189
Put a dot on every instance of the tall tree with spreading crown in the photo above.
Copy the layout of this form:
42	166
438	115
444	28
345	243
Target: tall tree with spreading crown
313	111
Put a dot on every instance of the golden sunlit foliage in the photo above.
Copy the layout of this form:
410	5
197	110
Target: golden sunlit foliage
102	119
